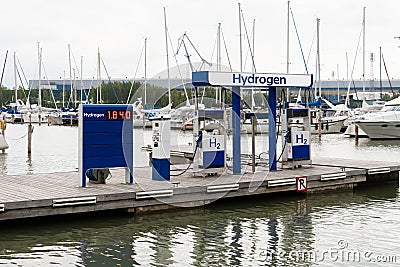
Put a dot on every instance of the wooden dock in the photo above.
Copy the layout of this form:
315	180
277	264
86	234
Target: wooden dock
35	195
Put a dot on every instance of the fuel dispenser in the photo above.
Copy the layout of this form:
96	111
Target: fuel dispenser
209	134
296	137
161	147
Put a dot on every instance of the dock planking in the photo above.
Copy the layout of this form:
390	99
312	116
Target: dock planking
46	194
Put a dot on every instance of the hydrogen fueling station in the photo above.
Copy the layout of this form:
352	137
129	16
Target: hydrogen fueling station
106	131
296	146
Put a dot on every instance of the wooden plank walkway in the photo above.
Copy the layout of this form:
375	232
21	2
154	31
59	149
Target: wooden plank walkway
25	196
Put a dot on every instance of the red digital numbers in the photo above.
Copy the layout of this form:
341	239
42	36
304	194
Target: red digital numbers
118	115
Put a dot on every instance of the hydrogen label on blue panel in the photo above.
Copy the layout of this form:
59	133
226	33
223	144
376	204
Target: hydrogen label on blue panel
300	138
213	143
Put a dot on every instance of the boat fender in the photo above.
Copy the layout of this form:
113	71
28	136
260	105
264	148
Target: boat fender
2	125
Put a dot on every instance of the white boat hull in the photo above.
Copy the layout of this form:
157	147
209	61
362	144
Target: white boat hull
381	129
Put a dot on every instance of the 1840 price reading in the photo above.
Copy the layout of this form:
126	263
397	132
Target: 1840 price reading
118	114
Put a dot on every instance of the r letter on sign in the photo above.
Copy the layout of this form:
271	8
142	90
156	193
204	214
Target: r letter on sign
301	184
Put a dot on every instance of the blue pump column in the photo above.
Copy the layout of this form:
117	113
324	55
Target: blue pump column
236	129
272	128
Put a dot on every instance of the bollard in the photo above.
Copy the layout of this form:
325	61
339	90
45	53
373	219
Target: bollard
30	135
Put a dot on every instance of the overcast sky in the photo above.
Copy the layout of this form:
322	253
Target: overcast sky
119	28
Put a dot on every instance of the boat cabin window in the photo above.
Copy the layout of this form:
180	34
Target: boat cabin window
389	108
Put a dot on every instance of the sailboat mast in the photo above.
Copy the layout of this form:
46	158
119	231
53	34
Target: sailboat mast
380	70
63	91
287	39
218	90
99	99
75	95
347	67
287	48
363	74
15	80
254	64
318	60
338	93
81	79
40	75
166	47
145	71
70	74
240	39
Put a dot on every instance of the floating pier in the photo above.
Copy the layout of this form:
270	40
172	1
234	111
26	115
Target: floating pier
38	195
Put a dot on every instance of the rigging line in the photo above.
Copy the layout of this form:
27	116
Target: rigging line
134	77
76	66
214	48
311	46
298	38
177	65
79	75
226	50
352	70
20	79
387	74
109	80
181	42
48	83
23	73
22	83
4	66
91	85
195	49
248	41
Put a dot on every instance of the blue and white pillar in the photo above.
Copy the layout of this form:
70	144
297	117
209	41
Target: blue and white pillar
236	129
272	128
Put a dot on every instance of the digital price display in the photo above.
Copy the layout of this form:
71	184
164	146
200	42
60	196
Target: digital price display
105	139
113	114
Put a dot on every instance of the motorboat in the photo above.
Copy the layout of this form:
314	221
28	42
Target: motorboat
353	130
384	124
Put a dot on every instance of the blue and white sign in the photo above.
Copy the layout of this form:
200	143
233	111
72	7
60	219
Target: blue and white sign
240	79
105	138
212	152
300	146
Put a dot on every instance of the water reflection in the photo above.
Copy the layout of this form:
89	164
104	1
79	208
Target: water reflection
254	232
3	163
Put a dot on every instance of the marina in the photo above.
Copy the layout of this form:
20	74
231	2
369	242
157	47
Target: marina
36	191
254	210
208	150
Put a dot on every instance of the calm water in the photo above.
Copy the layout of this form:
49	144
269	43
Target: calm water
351	228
